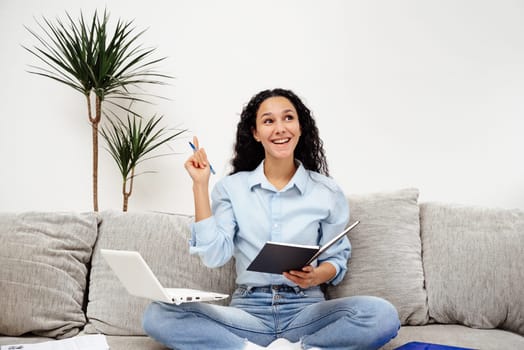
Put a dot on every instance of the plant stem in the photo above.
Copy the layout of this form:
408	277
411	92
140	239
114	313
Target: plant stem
125	196
125	193
95	166
94	130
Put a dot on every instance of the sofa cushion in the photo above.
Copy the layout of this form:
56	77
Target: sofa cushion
43	274
386	253
162	240
473	260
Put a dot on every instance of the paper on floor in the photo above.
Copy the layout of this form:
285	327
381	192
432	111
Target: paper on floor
83	342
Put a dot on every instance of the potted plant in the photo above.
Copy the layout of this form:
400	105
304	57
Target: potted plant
101	64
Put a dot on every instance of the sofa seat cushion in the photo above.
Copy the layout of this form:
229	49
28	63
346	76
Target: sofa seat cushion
133	343
386	256
163	242
43	274
457	335
473	261
486	339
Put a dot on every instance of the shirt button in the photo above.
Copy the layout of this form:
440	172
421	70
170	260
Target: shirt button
275	225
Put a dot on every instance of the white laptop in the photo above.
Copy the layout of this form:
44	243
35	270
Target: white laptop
136	276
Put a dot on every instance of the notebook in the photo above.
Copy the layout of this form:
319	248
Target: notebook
138	279
277	257
415	345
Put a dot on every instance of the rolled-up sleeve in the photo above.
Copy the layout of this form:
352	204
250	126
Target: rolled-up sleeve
212	238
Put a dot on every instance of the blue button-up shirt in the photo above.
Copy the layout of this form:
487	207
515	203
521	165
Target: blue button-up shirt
248	211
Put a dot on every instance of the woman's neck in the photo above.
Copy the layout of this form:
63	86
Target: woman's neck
279	171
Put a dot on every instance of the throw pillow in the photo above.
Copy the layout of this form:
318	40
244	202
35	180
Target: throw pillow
163	242
43	272
386	256
473	260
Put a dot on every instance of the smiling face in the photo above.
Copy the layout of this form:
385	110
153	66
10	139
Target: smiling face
277	128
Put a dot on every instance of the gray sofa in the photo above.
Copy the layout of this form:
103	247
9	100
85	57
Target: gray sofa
455	273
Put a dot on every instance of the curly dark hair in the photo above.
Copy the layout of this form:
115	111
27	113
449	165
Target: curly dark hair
249	153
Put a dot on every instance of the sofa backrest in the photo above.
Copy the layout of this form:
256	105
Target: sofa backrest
434	262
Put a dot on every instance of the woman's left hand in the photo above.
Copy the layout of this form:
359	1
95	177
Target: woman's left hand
311	276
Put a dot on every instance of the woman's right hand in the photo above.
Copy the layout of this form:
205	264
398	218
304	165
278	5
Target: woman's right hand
198	168
197	165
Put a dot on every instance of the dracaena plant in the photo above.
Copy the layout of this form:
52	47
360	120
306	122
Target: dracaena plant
131	143
104	65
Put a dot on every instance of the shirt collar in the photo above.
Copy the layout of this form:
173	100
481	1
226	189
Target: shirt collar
299	180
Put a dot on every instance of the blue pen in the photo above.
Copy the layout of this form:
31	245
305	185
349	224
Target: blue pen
194	149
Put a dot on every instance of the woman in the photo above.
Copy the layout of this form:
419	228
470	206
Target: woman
279	190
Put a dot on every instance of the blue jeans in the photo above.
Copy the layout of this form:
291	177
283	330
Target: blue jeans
262	314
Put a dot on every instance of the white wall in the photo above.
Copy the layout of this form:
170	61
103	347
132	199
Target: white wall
425	94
